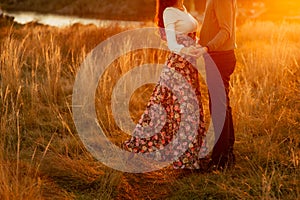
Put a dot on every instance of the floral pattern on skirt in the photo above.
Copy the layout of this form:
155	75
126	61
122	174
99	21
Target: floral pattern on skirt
167	124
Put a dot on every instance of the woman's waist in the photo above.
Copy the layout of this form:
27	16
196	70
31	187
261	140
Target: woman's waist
186	39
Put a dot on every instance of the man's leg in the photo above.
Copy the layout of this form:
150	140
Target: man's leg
223	155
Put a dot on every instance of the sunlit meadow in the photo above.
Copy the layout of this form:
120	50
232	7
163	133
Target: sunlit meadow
42	157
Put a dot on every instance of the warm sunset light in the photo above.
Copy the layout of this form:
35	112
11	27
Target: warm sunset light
277	9
264	10
99	101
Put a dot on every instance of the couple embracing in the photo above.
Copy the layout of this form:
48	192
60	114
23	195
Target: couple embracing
216	43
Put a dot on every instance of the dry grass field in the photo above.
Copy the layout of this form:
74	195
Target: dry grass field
42	157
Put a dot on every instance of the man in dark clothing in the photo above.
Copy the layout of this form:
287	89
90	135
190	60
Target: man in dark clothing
217	37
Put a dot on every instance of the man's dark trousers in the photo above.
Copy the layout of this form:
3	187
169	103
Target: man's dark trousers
225	61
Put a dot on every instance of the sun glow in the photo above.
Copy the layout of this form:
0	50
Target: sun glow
284	8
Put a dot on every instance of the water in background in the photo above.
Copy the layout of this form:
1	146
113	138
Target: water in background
64	21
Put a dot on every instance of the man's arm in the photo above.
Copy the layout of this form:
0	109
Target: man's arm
225	17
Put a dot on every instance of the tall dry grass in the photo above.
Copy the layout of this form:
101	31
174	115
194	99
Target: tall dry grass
41	155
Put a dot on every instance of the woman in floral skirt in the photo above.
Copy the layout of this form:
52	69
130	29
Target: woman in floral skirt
178	28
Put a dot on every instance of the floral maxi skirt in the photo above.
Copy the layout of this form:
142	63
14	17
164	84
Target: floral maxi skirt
169	122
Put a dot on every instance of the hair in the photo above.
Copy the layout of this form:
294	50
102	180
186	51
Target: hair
161	5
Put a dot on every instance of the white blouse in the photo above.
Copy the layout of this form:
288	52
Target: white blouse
177	22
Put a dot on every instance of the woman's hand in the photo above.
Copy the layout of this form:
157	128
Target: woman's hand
190	51
203	49
195	51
